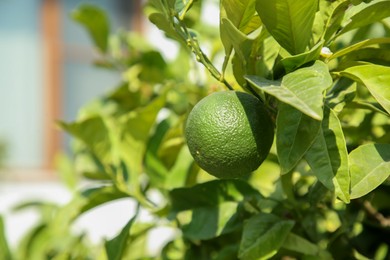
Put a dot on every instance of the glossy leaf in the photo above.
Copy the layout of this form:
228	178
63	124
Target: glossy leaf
116	247
342	93
379	56
369	166
335	20
377	80
239	14
95	22
289	22
328	156
295	133
253	56
358	46
293	62
368	14
234	38
263	235
302	89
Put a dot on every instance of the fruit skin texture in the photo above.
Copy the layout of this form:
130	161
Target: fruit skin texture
229	133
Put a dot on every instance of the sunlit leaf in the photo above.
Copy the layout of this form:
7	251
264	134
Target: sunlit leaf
342	93
94	133
335	19
134	133
369	166
302	89
358	46
180	171
328	156
97	196
293	62
289	21
377	80
365	14
240	14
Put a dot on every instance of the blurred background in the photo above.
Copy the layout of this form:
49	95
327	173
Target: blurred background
46	75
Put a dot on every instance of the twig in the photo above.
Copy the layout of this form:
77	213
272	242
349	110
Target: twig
375	214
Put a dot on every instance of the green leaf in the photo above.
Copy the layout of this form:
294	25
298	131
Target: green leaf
214	207
97	196
302	89
263	235
180	171
335	19
154	167
377	80
328	156
369	166
372	106
342	93
95	21
301	245
164	25
379	56
116	247
66	170
289	22
134	131
5	252
158	14
240	14
252	56
366	14
210	222
293	62
94	133
358	46
210	194
295	133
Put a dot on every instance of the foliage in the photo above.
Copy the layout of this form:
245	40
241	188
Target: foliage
322	69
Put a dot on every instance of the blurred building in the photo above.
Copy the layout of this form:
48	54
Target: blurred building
46	74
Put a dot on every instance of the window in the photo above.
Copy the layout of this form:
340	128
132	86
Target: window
46	73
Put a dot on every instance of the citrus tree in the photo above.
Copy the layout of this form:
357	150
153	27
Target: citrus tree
309	84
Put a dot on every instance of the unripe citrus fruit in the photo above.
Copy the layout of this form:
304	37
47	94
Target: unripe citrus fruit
229	133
